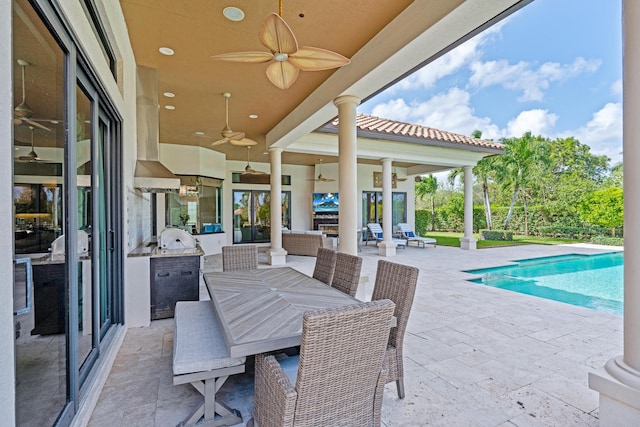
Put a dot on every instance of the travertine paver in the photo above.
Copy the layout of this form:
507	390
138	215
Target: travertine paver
474	355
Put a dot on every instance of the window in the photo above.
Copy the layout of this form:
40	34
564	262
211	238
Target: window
372	207
197	208
98	28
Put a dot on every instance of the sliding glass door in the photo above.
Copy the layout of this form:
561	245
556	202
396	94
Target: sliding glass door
67	204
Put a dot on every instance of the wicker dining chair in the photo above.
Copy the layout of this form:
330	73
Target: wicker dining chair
325	265
396	282
241	257
346	276
339	377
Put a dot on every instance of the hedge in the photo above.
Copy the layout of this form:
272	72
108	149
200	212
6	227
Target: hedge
609	241
506	235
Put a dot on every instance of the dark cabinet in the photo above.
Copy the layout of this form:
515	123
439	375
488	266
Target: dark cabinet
173	279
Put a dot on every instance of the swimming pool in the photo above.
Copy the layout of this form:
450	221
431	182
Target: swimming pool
592	281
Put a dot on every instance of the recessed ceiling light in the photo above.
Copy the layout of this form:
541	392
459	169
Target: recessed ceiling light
253	116
169	94
199	133
54	122
166	51
233	13
169	107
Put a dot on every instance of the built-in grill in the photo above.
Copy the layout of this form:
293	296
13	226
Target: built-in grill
176	239
174	272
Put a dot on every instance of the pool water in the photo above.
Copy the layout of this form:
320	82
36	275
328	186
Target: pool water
592	281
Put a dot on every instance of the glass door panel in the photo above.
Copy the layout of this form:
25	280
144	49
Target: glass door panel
86	232
252	215
42	381
261	227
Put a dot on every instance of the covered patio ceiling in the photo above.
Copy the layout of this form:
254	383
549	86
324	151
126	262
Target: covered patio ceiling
385	41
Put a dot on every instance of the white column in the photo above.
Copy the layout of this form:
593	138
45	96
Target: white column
468	241
277	255
347	173
619	381
387	247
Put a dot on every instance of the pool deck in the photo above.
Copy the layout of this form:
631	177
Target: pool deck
474	355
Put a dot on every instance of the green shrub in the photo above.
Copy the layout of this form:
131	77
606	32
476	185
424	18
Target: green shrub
506	235
609	241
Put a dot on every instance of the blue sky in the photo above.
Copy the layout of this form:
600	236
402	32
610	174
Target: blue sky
553	68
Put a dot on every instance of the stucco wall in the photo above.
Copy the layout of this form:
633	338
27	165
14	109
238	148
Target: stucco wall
7	370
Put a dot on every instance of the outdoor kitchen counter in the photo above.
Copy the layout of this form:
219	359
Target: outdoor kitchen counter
151	250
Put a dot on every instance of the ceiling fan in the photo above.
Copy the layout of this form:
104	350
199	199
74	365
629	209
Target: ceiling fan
321	178
290	59
22	112
395	176
31	156
234	138
248	170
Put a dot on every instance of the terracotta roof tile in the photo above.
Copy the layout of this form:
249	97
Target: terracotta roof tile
417	133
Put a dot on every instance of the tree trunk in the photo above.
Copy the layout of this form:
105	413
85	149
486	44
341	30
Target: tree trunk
524	205
487	205
513	202
433	214
613	232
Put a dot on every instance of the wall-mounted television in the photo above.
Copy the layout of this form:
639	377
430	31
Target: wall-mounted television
325	202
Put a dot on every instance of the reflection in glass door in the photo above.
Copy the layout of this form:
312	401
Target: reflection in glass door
252	215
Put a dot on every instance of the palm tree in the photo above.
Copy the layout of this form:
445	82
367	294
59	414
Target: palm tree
428	186
523	158
484	172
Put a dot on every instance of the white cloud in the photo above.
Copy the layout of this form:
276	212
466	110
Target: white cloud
538	122
450	111
449	63
603	133
523	77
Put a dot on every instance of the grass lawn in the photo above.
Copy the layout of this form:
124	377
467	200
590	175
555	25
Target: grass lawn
453	239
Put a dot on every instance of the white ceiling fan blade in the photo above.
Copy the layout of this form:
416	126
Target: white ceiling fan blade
277	36
282	74
244	142
317	59
219	142
36	124
233	135
249	57
323	179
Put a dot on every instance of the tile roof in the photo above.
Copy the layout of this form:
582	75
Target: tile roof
378	127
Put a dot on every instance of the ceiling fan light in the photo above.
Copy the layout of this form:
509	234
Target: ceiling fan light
233	13
281	57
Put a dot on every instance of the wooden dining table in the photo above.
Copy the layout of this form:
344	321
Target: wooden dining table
261	310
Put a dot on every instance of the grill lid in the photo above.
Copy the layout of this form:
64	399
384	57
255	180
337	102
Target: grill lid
175	238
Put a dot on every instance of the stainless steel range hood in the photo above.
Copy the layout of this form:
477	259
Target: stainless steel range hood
151	176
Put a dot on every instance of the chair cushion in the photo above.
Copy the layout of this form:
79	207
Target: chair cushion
289	366
410	234
198	342
379	235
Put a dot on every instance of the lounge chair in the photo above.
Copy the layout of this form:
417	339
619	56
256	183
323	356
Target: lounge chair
376	231
410	236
